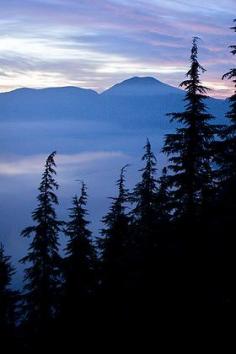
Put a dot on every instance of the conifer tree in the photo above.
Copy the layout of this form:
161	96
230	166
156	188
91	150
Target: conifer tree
144	196
163	203
224	215
79	267
190	148
113	244
42	277
227	148
115	251
80	258
144	233
8	299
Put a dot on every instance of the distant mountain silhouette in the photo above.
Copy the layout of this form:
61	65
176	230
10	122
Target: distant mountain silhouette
136	102
46	104
142	86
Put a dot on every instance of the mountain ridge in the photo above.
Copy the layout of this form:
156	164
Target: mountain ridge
136	101
147	80
50	88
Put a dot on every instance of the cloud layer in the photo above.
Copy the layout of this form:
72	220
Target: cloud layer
93	43
34	164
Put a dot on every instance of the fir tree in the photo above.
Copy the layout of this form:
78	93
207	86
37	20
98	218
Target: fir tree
8	298
80	253
227	148
79	267
144	196
144	234
190	148
163	203
223	219
113	245
115	261
42	277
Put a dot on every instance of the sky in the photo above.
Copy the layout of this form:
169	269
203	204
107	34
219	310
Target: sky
97	43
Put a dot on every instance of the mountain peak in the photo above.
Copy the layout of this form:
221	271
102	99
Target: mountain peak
144	80
141	86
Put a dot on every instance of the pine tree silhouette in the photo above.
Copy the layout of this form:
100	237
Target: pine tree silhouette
223	219
190	151
144	230
42	277
228	134
190	148
163	200
79	273
145	192
8	302
80	258
113	247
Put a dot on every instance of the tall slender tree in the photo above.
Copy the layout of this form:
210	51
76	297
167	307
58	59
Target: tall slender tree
114	267
190	148
190	152
227	147
144	197
42	277
8	300
79	266
80	258
224	216
113	244
144	232
163	203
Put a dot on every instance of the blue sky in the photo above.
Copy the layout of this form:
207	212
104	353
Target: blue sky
95	43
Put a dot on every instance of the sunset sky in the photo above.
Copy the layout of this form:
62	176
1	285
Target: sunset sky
96	43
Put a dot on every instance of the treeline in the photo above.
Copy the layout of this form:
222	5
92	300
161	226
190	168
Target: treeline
166	247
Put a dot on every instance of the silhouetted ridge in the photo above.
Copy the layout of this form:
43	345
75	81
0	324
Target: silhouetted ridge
143	86
140	100
50	91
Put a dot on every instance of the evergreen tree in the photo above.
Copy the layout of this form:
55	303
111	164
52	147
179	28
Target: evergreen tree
114	266
114	241
163	203
190	151
227	147
79	267
144	196
145	235
8	300
80	258
190	148
223	219
42	277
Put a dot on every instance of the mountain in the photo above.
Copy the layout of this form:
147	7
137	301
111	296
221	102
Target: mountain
137	102
142	86
46	104
141	102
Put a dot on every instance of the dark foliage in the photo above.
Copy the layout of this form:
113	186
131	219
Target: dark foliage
43	275
80	260
113	246
79	267
190	148
8	302
225	210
